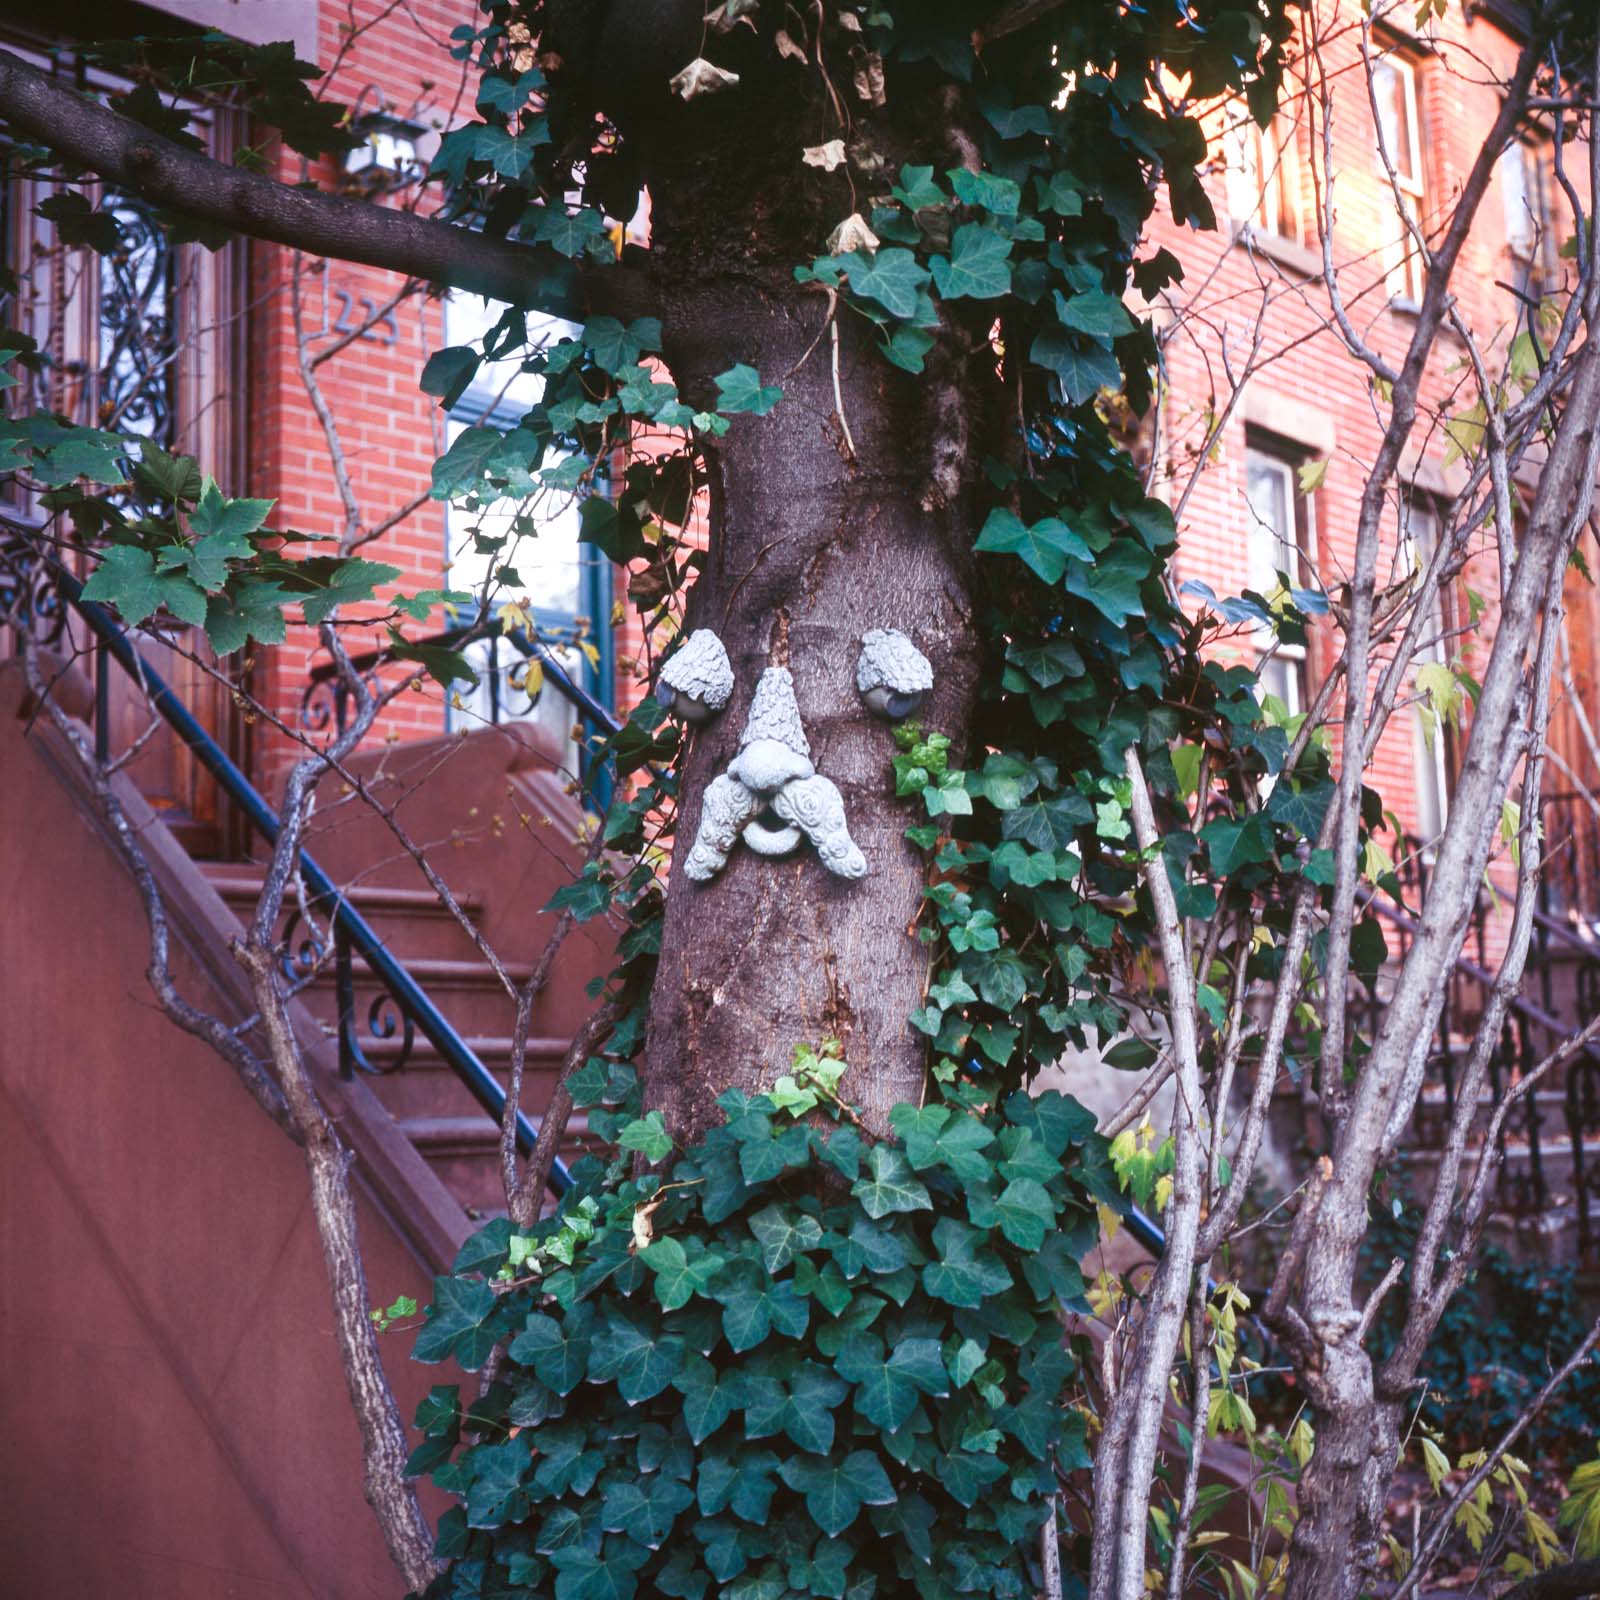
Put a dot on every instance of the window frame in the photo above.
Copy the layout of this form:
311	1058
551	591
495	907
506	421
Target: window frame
1406	272
1432	769
1282	459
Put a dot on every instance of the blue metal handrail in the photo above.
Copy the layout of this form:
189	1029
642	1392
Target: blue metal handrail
407	992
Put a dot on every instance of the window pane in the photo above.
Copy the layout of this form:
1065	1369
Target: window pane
1272	532
544	553
499	385
1391	89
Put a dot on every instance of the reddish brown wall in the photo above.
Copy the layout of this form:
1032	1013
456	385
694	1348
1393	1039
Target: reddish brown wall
173	1420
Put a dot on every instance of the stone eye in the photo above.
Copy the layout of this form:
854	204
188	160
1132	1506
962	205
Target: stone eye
696	683
892	675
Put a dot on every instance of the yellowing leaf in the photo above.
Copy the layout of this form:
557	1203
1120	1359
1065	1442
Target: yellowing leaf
702	77
1311	475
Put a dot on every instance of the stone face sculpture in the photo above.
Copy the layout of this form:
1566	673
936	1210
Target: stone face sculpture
699	678
772	796
894	677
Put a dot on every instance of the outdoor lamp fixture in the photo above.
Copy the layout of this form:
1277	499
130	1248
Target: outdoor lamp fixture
387	154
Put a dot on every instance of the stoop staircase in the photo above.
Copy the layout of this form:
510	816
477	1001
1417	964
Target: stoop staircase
415	1084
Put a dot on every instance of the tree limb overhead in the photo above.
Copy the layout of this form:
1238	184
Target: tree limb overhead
130	155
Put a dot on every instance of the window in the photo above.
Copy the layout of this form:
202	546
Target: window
1264	180
1394	89
1419	538
564	584
1523	205
1279	541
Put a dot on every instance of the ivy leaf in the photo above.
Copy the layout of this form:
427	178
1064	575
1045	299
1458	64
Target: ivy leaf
581	1574
679	1275
647	1134
836	1491
614	347
814	1393
645	1508
917	191
508	94
1047	824
1026	1213
558	1352
1044	546
965	1273
569	232
447	373
498	1471
460	1308
643	1363
127	579
891	1185
754	1305
782	1232
887	1385
1096	313
511	155
1083	372
893	277
709	1397
938	1136
740	389
976	268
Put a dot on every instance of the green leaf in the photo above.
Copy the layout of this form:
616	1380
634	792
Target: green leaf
447	373
228	519
454	1323
977	267
613	1574
679	1275
558	1352
966	1272
1044	546
645	1508
642	1362
887	1385
935	1135
498	1471
646	1134
1026	1213
836	1491
917	191
1096	313
569	232
890	1185
614	347
1083	372
127	579
783	1233
350	581
754	1304
986	189
740	389
893	277
508	94
709	1397
511	155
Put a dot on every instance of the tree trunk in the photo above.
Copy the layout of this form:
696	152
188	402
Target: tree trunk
810	548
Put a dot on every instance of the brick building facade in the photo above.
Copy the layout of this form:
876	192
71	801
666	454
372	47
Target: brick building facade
313	397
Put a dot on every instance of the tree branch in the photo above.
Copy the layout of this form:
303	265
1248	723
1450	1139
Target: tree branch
126	153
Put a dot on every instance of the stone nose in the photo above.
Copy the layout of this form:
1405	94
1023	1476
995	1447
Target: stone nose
764	766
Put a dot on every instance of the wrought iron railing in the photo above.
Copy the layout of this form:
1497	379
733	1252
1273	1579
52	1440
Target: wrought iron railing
33	591
1560	992
509	654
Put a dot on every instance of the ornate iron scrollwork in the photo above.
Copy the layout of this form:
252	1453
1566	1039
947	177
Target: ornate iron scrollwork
386	1016
138	334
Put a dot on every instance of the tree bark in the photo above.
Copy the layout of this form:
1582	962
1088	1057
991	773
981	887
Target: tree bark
842	510
809	550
